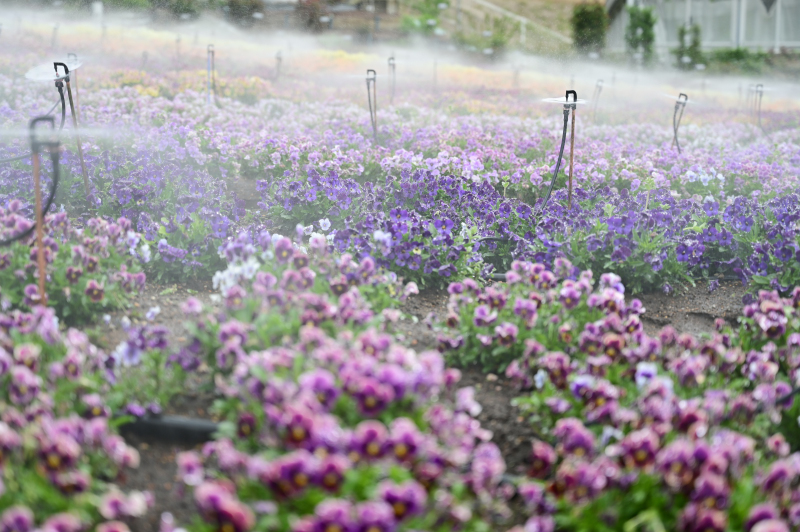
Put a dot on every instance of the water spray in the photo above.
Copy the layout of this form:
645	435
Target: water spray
54	37
74	124
37	146
144	60
211	77
278	62
598	88
393	79
677	115
372	98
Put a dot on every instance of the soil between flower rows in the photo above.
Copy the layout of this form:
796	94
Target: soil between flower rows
689	309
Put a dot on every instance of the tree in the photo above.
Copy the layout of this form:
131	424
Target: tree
640	34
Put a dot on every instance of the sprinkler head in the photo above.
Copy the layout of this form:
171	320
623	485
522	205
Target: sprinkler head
45	72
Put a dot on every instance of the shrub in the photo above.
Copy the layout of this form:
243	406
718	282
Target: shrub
639	33
589	23
688	52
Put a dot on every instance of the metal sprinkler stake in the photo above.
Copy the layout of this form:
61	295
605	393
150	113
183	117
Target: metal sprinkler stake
372	98
278	62
74	57
75	125
598	88
758	96
210	72
574	108
36	147
392	71
680	105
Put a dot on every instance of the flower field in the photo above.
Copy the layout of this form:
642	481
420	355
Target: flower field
302	243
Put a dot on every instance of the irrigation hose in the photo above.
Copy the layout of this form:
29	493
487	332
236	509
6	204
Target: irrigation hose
60	87
558	162
549	190
54	155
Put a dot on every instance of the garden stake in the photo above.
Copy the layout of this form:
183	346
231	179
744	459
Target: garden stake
372	98
680	105
36	147
210	72
55	36
574	108
758	96
144	60
75	125
392	71
595	97
278	61
74	57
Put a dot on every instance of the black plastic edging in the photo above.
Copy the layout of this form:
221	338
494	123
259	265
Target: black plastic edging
172	429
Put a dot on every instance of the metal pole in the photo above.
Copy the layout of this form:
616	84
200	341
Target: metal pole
42	264
75	76
75	125
571	155
208	73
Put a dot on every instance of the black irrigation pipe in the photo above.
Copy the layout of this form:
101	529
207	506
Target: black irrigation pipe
26	155
173	429
680	105
567	108
36	147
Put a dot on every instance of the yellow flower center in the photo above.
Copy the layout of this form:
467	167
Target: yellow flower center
399	509
401	450
298	433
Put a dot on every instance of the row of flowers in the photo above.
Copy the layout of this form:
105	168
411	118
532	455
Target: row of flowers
667	431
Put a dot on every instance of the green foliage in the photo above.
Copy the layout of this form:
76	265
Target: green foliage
496	38
589	24
178	7
639	35
739	60
426	19
688	52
